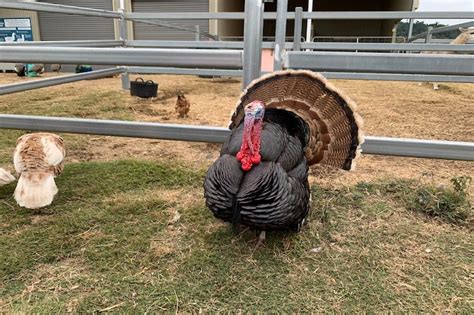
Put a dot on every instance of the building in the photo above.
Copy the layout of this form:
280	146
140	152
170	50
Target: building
323	28
54	26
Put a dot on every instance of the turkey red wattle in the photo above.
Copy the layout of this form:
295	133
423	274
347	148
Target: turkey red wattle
249	153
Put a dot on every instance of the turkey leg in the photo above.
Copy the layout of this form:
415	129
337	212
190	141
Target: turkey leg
259	240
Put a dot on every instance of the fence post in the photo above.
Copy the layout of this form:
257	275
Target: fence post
410	29
280	35
309	26
298	28
123	29
252	41
198	33
428	34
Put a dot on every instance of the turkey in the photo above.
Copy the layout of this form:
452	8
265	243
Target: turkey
283	123
56	67
29	70
20	69
5	177
38	159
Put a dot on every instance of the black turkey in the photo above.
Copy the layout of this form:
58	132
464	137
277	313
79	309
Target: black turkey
20	69
283	123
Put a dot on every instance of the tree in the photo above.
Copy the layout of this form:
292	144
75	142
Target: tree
420	27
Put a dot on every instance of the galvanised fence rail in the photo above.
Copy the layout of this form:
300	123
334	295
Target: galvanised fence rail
228	58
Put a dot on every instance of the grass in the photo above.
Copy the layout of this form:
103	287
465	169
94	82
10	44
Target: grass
68	103
134	236
131	236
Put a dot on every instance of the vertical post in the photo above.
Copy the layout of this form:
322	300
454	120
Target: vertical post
410	27
298	28
410	30
428	34
123	36
280	35
198	33
309	25
252	41
394	33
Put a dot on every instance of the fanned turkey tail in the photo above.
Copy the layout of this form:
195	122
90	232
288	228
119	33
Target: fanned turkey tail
334	135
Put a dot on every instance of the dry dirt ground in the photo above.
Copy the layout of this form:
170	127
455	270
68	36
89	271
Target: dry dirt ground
394	109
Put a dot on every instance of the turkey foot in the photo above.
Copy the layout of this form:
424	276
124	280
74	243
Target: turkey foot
258	241
239	233
242	231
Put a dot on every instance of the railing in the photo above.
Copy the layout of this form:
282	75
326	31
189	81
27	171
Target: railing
237	58
358	39
200	58
440	30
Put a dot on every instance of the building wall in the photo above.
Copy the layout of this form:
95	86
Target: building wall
153	32
36	18
230	28
324	27
128	8
9	13
59	26
234	28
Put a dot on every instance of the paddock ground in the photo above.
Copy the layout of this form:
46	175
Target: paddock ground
393	109
129	231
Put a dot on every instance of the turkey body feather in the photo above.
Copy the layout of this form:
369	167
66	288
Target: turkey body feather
38	159
272	195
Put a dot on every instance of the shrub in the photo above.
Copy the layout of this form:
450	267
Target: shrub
449	204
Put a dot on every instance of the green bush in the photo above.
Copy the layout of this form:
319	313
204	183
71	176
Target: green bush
449	204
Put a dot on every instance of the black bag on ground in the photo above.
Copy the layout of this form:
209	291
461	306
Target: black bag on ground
142	88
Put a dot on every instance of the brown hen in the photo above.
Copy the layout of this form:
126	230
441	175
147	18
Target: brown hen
182	106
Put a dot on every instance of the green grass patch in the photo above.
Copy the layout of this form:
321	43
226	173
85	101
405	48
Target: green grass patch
68	103
112	240
449	204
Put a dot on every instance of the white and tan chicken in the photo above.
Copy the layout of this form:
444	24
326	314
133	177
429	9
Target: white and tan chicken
38	159
5	177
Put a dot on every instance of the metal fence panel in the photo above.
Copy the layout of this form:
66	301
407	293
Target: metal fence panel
186	71
36	84
386	47
66	43
398	77
203	58
58	8
373	145
436	149
329	15
381	62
